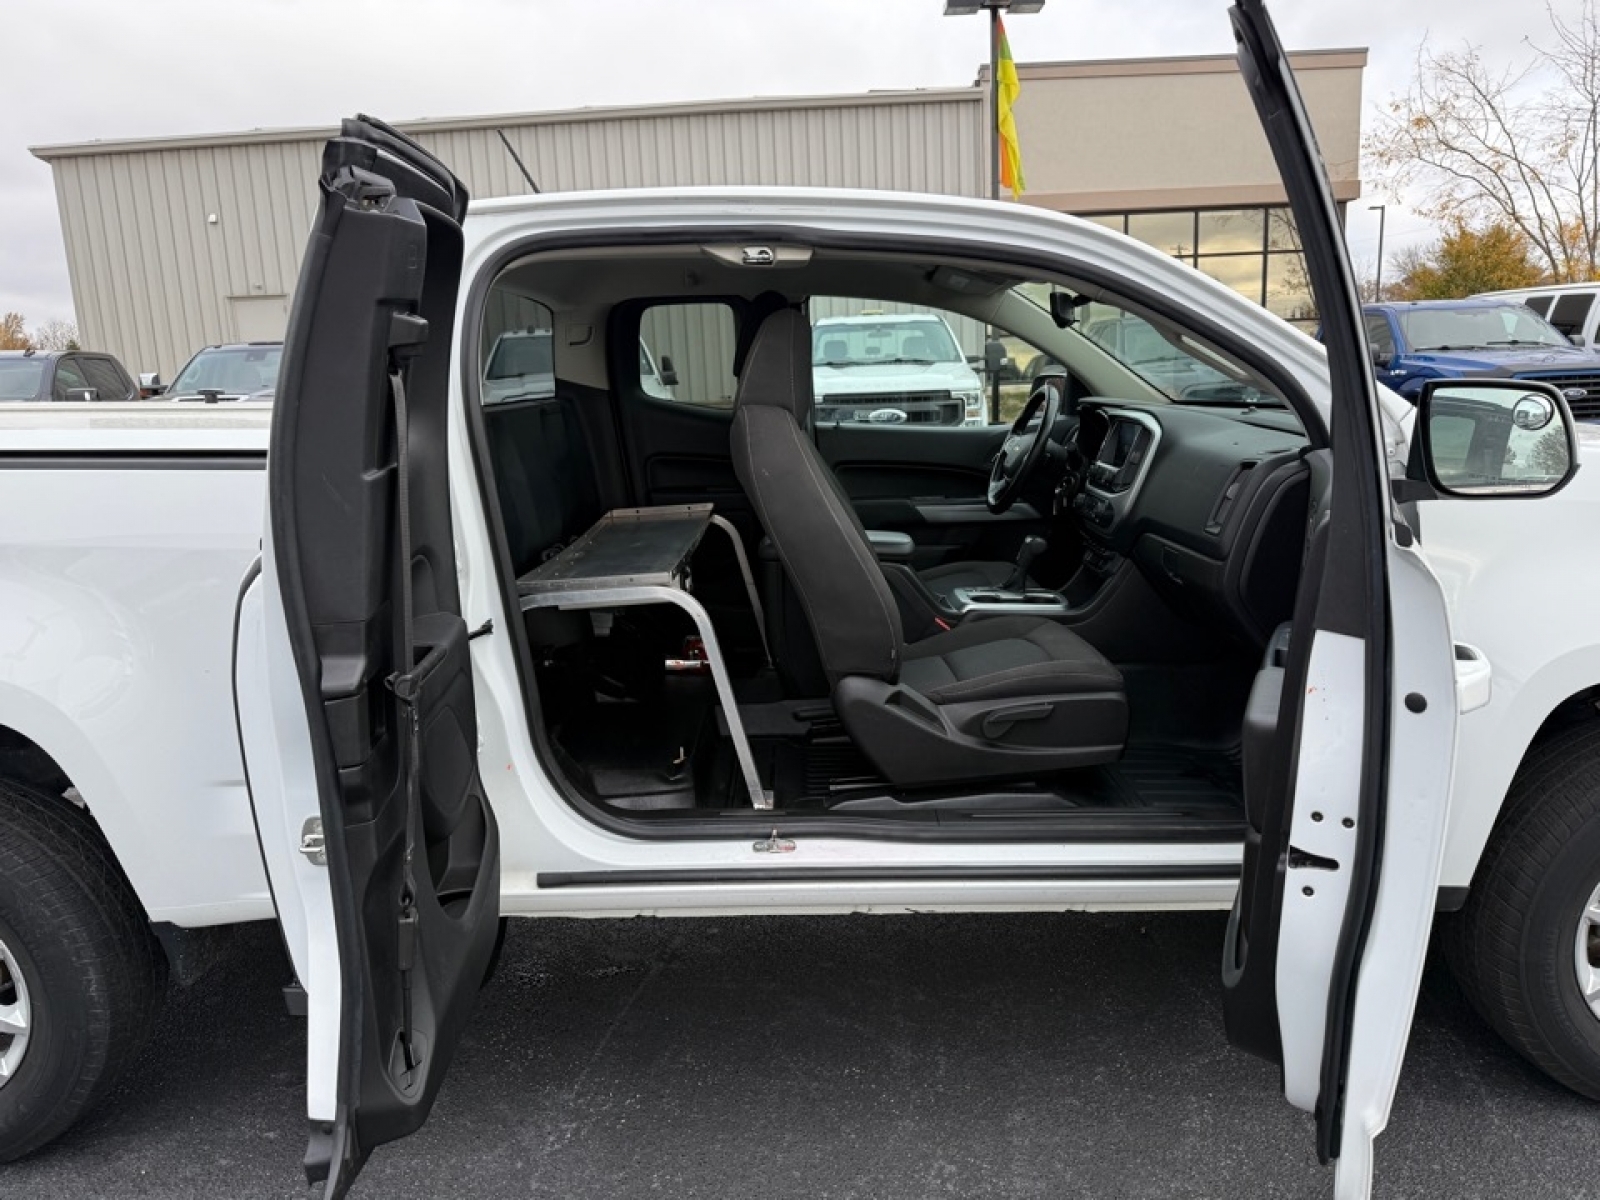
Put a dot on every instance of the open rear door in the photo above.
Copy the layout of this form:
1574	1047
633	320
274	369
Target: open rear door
1351	733
353	681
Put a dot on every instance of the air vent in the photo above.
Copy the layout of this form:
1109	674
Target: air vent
1230	496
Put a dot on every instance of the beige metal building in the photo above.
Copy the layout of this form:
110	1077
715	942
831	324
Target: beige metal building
175	243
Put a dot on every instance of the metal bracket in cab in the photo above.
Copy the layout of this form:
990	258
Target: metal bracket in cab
313	843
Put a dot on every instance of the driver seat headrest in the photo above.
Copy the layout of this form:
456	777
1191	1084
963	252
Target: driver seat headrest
777	371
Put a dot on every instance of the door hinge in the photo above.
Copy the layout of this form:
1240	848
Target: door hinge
312	842
774	845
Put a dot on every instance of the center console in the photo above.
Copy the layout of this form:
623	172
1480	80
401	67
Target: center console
996	602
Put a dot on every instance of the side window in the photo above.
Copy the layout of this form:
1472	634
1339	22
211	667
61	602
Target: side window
517	350
899	364
1379	336
685	354
1540	304
1571	312
105	379
69	375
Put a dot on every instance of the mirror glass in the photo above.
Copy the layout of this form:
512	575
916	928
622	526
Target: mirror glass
1497	440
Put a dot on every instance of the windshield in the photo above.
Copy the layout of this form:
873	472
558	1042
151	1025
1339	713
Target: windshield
1480	326
856	343
1176	370
20	378
231	370
517	355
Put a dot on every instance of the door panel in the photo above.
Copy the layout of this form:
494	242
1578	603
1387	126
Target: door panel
1349	738
359	558
928	483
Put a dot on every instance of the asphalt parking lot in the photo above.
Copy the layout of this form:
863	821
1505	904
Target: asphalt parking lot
883	1057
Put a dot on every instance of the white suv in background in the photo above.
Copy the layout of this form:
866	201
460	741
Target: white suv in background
894	369
1570	307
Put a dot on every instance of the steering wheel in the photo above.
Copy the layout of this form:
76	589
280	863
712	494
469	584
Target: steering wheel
1024	448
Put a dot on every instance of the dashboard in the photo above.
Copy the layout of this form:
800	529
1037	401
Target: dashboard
1210	505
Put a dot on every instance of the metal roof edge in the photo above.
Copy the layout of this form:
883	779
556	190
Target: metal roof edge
967	94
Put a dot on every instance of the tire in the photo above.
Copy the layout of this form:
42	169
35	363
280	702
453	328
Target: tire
75	934
1513	948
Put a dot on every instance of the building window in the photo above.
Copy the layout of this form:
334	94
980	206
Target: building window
1255	251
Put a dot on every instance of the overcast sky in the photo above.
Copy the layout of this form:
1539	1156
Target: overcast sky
109	69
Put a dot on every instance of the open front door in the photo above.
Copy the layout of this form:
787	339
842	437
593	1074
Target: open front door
1351	732
353	680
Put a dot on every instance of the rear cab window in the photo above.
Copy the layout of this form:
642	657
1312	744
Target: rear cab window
686	353
518	353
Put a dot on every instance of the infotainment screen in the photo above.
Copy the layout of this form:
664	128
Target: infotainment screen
1119	443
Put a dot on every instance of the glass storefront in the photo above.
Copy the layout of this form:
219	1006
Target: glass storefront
1255	251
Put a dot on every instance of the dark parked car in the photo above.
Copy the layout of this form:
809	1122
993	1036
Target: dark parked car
240	371
35	376
1415	342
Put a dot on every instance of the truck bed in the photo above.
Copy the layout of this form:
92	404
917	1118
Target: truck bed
145	428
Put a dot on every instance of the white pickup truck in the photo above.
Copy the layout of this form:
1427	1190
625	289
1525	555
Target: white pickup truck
389	664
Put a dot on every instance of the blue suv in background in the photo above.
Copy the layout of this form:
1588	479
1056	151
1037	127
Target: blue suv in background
1421	340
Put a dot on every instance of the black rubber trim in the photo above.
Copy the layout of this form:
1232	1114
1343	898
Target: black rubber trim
133	460
1138	872
252	573
699	827
1354	599
1451	899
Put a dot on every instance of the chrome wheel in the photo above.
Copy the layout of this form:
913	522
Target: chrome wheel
16	1016
1586	952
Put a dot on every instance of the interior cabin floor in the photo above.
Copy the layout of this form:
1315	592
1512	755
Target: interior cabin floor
666	752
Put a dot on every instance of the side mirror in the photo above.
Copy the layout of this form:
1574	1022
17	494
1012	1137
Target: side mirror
82	395
150	384
1380	360
1491	438
669	373
994	356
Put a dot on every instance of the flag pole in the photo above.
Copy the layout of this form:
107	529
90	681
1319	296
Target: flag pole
994	175
994	103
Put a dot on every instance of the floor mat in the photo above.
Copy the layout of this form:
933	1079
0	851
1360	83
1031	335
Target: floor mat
1175	780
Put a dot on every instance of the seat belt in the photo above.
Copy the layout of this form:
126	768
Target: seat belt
407	690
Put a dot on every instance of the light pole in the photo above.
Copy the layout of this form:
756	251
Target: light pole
971	8
1383	214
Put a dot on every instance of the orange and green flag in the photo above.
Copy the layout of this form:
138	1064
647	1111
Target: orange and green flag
1006	122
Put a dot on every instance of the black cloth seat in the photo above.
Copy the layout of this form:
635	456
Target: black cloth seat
1005	657
996	698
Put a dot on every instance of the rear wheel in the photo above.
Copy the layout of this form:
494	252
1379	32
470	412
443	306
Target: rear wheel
1526	949
81	976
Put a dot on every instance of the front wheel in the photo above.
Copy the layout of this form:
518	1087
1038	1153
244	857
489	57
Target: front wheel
81	976
1526	949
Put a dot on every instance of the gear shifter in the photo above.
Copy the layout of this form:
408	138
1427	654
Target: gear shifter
1032	548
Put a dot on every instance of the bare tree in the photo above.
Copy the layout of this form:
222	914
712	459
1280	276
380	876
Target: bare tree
55	335
1518	147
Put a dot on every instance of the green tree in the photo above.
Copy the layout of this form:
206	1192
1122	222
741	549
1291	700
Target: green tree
1463	262
1519	148
13	332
